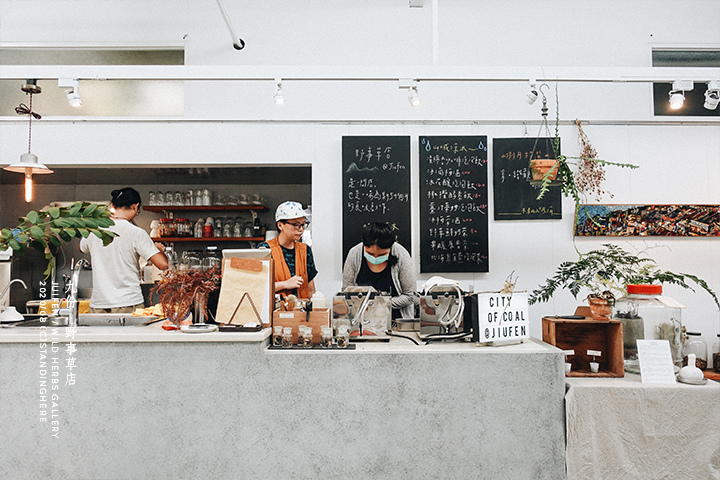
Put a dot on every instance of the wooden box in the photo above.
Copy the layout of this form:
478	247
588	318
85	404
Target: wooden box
318	317
587	334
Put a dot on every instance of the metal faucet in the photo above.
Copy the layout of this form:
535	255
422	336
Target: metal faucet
7	287
72	300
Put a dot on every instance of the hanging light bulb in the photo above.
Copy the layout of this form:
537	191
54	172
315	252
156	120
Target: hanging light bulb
28	164
677	94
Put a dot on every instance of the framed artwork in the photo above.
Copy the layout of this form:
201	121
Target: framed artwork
647	220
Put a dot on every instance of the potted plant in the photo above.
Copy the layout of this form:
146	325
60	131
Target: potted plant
590	170
45	230
605	273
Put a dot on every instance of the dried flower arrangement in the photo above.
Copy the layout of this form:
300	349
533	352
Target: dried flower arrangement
178	291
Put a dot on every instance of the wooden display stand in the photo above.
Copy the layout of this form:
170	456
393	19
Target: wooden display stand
586	334
318	317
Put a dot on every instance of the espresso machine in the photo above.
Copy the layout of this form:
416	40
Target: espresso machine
366	312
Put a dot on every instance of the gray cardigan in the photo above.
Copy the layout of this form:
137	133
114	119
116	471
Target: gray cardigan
402	273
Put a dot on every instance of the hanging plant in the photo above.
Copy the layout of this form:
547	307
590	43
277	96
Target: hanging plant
590	169
46	229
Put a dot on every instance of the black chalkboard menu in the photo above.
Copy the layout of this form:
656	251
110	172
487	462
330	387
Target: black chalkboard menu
453	204
376	187
514	197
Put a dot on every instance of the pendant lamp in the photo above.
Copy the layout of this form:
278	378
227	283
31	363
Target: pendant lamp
28	164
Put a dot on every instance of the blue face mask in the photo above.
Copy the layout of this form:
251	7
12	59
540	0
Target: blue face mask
376	260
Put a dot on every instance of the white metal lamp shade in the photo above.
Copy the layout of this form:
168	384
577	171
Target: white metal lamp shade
28	164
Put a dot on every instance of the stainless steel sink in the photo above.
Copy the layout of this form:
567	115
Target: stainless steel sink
86	320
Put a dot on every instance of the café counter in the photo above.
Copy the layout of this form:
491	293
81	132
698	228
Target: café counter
141	402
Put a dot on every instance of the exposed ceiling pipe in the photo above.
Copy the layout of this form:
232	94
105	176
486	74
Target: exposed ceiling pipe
235	38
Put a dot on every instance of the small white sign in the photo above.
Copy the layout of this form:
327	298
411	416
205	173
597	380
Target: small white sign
594	353
656	365
569	352
503	316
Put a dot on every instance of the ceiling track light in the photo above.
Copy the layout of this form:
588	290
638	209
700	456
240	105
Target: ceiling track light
73	95
533	94
677	94
412	86
712	95
278	96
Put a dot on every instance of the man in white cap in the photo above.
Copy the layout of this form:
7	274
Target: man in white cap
294	264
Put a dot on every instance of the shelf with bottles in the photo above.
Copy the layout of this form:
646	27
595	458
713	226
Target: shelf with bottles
204	208
207	239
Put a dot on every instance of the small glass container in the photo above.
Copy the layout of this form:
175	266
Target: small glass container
695	344
198	198
178	199
218	231
193	259
237	228
326	336
211	258
277	338
189	198
308	337
301	336
206	197
227	228
169	198
645	314
716	354
167	227
183	227
152	199
343	336
287	341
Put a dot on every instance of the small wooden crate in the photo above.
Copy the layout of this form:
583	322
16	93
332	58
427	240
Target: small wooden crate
588	334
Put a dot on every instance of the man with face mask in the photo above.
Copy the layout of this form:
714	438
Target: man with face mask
379	261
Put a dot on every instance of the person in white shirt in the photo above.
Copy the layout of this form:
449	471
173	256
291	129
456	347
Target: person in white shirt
115	267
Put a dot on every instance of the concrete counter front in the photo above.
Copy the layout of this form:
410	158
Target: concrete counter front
140	402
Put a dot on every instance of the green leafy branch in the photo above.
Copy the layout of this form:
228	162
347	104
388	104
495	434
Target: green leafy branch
611	269
46	229
565	174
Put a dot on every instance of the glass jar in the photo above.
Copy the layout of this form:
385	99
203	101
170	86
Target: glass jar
183	227
211	258
287	341
308	338
167	227
277	336
645	314
169	198
716	354
695	344
326	335
301	336
193	259
343	336
152	199
206	197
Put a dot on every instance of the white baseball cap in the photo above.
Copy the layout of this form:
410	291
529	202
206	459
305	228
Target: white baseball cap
289	210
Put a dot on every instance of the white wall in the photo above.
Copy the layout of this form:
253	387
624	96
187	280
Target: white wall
237	123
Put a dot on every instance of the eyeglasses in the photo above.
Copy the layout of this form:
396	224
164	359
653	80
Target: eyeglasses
298	226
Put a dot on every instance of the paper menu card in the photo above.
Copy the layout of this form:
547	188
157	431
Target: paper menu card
656	364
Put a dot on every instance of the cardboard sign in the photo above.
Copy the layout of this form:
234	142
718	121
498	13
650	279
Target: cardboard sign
503	317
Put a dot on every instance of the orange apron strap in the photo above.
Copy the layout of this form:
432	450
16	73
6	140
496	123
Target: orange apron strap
282	272
301	268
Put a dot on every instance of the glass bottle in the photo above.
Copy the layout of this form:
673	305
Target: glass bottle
716	354
206	197
211	258
277	336
326	335
198	229
198	198
227	228
645	314
152	199
696	345
301	336
343	336
218	231
171	257
308	338
287	341
237	228
208	228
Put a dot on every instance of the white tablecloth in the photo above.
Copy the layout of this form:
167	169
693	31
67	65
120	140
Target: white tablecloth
620	428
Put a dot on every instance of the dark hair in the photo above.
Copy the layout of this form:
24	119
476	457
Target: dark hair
378	233
125	197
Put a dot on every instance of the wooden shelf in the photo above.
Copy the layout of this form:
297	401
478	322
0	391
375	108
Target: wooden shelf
203	208
208	239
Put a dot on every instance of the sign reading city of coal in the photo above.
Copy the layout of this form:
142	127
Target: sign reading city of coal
503	316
